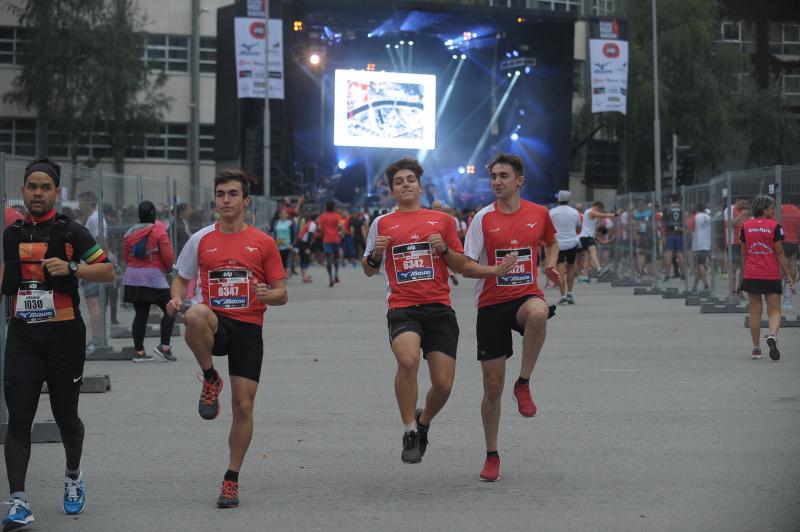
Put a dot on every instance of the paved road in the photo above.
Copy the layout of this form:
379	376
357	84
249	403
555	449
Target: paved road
652	417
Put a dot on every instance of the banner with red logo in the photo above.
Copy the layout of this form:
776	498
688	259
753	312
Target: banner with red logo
609	70
249	42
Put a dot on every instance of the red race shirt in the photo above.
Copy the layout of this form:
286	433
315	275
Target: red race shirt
790	221
416	273
759	236
329	222
494	234
228	266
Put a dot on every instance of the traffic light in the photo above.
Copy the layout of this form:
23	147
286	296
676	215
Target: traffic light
686	160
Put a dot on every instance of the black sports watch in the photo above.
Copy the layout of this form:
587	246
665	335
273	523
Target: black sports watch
372	262
73	267
446	250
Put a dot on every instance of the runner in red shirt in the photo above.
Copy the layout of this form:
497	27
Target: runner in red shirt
762	260
239	273
416	247
790	220
331	223
508	300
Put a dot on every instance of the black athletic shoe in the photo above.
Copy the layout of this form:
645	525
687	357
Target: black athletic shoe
774	354
423	434
411	453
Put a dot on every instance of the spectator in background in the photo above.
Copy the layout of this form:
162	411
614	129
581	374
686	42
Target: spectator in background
149	257
358	226
701	246
643	220
790	220
738	212
182	230
90	218
305	242
331	224
284	236
763	259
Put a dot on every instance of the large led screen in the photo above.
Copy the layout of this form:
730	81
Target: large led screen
384	110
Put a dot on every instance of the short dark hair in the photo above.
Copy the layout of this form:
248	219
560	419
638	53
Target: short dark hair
509	159
406	163
233	174
599	203
46	166
88	196
330	205
675	197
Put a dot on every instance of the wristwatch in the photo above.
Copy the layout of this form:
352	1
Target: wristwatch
73	267
445	251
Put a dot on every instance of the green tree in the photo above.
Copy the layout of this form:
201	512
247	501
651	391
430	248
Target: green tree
130	102
697	87
82	71
772	135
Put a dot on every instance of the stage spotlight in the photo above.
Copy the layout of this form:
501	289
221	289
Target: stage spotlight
448	42
463	56
514	136
527	69
520	20
461	170
388	45
411	43
466	35
298	25
369	35
515	53
517	72
455	56
371	67
342	165
521	112
314	59
508	55
508	74
402	42
396	46
470	168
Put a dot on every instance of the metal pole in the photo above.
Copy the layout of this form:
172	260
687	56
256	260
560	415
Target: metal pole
729	232
685	234
778	191
654	258
656	121
266	135
3	188
674	162
194	103
101	239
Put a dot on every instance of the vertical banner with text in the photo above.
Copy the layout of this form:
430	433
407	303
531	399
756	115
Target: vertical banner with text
250	72
609	60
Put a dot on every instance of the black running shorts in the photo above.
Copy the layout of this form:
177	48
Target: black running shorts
494	325
243	344
54	352
587	242
567	255
435	324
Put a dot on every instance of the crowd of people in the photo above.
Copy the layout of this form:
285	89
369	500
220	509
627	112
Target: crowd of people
225	273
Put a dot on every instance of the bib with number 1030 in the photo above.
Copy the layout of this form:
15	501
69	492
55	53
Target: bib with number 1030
521	273
229	288
35	302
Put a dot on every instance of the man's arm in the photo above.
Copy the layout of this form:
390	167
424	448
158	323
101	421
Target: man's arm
273	294
102	272
455	260
474	270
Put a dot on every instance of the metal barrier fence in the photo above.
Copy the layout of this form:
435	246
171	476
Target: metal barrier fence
707	252
107	204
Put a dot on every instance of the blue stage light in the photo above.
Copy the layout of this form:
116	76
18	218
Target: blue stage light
461	169
342	165
514	136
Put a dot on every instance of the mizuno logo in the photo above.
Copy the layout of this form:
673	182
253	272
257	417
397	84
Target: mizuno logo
433	223
248	248
212	250
394	227
496	229
532	225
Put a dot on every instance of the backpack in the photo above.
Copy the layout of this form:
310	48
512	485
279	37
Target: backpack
139	249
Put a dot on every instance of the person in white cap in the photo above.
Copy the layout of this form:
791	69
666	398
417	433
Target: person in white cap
567	221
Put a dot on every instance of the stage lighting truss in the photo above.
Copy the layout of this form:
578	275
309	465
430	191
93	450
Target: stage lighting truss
527	64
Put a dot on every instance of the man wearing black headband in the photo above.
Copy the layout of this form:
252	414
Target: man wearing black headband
46	335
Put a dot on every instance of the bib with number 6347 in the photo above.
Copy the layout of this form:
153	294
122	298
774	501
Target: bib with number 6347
229	288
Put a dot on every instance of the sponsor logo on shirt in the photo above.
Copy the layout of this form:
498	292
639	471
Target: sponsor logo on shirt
432	222
496	229
250	249
212	250
532	225
393	227
415	237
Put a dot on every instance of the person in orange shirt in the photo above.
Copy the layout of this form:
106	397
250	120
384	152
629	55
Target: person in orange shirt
331	224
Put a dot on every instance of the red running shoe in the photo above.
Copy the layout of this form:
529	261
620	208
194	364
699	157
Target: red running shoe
491	469
229	497
525	404
209	397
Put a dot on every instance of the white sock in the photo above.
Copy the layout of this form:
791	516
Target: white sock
411	427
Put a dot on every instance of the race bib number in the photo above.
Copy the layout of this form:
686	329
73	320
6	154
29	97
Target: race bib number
413	262
229	288
521	273
35	303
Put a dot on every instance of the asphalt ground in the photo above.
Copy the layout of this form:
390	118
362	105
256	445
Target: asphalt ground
651	417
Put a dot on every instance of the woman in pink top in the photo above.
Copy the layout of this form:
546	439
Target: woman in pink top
149	256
